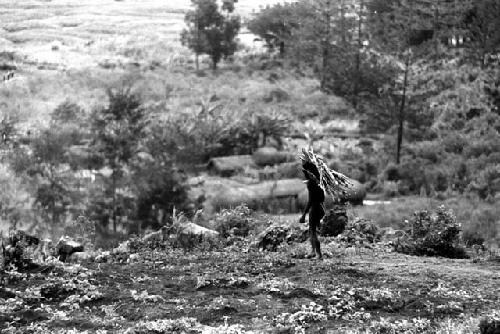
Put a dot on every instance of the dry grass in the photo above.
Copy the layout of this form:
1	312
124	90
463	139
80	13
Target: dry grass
62	45
65	49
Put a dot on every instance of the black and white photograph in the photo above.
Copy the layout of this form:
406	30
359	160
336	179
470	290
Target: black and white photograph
250	166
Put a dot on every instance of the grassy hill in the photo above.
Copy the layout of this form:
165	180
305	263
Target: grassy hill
68	49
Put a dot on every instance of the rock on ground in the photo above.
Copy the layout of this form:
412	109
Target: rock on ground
160	235
197	230
67	246
80	257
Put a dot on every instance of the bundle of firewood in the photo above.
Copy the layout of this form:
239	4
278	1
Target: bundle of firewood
330	181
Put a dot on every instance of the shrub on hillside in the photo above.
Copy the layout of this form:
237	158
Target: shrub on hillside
482	225
7	131
154	241
490	324
486	183
415	175
486	145
334	222
68	111
234	222
432	235
196	135
15	249
359	231
454	143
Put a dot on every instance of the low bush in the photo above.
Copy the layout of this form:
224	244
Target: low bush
486	183
432	235
359	231
68	111
334	222
454	143
140	244
235	222
490	324
15	250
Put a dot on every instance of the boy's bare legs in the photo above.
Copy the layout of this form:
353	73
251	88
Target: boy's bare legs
315	245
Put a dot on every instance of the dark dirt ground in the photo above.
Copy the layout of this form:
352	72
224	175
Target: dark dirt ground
252	290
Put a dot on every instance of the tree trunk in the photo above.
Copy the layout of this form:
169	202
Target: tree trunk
357	73
402	110
483	57
324	75
114	215
343	24
197	53
436	29
326	46
282	49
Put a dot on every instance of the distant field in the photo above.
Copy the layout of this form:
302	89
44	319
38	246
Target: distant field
78	33
74	48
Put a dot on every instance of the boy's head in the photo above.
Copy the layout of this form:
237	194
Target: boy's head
309	167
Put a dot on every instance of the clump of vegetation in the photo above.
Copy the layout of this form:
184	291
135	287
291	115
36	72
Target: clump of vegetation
334	222
490	325
181	325
67	111
235	222
14	250
196	134
415	326
432	235
359	231
176	235
301	319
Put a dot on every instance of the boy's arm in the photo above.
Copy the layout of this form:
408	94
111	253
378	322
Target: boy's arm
308	207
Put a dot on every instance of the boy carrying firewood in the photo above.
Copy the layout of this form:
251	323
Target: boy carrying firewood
319	178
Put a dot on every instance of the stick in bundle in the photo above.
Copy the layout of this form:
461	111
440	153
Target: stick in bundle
330	181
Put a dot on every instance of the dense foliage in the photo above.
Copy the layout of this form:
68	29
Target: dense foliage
409	67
